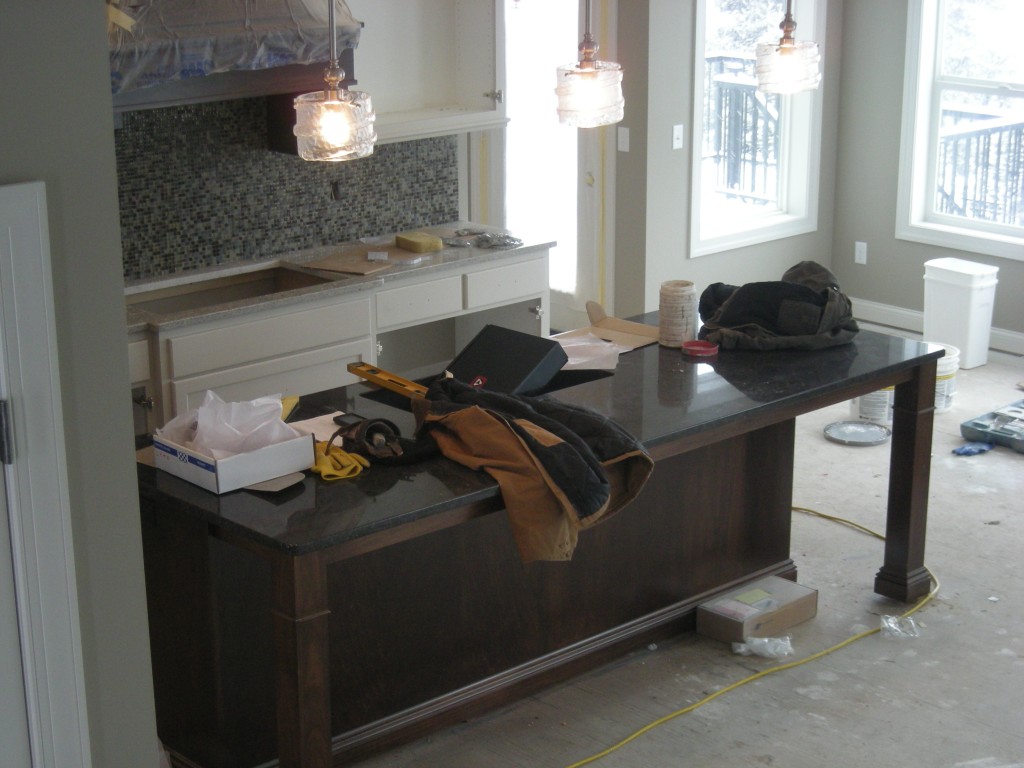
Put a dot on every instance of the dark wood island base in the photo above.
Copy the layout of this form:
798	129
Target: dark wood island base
334	620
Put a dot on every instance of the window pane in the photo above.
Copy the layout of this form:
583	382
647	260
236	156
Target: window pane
980	40
979	171
755	155
740	157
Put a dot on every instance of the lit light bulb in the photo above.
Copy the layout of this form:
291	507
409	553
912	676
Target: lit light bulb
335	123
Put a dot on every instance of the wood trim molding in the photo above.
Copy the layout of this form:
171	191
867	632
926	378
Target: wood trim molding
38	507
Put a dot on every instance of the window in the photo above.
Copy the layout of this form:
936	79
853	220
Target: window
755	155
962	152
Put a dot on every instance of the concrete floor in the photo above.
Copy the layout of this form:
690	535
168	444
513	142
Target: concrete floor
953	696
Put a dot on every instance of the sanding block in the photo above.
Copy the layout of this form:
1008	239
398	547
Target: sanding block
418	242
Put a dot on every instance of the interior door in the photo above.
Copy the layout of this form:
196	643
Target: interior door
42	695
13	712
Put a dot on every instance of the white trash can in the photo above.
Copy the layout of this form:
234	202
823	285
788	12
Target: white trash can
958	300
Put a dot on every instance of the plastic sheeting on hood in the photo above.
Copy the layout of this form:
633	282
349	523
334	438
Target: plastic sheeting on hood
158	41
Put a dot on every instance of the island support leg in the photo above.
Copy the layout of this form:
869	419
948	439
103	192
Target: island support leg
903	575
300	617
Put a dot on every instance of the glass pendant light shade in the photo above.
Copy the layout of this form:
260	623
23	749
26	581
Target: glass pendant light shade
590	96
334	126
589	91
788	68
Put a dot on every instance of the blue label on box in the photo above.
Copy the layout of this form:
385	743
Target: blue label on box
185	458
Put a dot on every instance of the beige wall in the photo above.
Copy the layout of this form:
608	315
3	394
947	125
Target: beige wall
57	126
868	169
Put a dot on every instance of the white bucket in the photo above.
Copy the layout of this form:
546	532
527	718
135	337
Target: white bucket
945	376
875	407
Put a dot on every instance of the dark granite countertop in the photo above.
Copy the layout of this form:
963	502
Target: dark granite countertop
656	393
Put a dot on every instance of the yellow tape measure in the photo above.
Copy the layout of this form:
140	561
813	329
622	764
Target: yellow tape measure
387	380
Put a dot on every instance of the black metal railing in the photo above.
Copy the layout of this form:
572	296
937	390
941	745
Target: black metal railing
980	161
979	171
741	137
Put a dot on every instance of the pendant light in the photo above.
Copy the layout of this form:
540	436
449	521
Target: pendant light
335	123
589	91
788	66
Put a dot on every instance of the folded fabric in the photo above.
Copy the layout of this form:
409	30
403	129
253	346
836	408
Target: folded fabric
803	310
332	463
560	468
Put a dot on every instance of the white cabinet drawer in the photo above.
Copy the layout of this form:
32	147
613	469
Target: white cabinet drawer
267	337
502	284
138	361
422	301
299	374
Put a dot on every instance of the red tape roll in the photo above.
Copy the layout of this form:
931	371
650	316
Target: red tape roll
699	348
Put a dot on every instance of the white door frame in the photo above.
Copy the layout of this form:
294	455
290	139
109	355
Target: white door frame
37	504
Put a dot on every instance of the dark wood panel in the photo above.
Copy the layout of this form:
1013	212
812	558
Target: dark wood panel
420	619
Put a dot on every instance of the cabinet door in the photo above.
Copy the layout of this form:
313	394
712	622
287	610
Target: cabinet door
298	374
138	361
457	73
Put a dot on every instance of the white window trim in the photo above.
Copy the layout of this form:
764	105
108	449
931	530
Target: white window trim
801	213
913	221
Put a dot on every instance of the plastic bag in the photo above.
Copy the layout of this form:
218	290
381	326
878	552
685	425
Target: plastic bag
899	627
220	429
589	352
768	647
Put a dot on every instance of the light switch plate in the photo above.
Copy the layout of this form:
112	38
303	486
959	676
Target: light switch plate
677	136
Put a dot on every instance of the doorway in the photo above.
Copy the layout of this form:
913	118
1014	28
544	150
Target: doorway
557	178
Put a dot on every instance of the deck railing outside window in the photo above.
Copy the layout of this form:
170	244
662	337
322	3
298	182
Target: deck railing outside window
980	167
980	161
741	137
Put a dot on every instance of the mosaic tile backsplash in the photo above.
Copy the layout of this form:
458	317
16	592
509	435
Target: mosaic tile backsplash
198	187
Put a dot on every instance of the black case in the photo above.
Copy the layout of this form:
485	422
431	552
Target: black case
502	360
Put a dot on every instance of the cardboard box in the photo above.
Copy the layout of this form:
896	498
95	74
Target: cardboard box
623	332
238	471
764	608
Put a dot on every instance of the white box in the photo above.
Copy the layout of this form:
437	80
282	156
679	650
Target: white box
958	300
238	471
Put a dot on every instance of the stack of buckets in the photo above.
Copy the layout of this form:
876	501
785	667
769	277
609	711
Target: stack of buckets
958	300
876	407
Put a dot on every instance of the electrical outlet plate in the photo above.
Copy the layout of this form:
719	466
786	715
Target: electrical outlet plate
860	252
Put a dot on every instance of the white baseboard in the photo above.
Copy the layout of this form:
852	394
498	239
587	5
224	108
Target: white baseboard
910	320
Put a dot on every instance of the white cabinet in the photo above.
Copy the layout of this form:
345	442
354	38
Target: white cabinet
302	349
422	322
432	67
419	301
304	345
299	374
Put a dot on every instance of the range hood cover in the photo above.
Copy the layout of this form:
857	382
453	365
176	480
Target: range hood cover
160	41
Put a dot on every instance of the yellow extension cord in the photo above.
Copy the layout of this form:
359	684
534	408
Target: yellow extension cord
765	672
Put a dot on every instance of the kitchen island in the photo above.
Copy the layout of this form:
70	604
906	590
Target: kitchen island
336	619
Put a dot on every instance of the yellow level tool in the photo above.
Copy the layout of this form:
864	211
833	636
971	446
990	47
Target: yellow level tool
387	380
